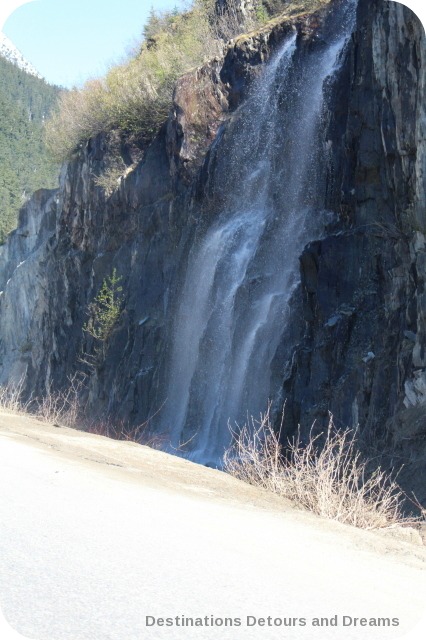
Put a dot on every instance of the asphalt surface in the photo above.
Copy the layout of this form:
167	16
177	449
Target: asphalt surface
98	539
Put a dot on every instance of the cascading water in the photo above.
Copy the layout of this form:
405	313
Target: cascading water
233	306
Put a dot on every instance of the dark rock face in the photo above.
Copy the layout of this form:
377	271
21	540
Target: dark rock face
358	316
68	241
362	353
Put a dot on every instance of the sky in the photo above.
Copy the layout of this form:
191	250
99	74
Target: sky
69	41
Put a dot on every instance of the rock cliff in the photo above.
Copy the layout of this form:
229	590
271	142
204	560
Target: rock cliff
356	325
362	352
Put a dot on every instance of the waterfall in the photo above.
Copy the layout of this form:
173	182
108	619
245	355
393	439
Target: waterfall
242	271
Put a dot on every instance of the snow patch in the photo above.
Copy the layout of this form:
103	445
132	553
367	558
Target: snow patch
11	53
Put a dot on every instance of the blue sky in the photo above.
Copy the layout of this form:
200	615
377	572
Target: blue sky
70	40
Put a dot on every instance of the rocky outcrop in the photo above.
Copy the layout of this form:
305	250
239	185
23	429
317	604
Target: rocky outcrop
358	316
68	241
362	356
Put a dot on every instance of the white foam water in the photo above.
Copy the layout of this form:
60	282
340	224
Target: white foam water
234	303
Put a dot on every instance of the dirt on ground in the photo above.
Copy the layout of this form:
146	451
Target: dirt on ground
135	463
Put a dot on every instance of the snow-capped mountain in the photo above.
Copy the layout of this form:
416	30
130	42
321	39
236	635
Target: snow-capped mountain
11	53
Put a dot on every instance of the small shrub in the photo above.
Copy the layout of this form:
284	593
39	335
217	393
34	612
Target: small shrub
104	313
327	475
110	178
135	97
261	12
122	430
11	397
62	408
116	430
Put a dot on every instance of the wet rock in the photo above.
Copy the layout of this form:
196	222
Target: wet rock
374	260
362	288
69	241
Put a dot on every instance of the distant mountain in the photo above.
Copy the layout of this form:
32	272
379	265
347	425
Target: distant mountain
25	166
11	53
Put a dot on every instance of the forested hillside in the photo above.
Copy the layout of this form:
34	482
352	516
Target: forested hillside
25	101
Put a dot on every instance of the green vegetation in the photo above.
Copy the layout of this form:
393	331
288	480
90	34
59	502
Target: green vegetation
134	98
104	313
25	165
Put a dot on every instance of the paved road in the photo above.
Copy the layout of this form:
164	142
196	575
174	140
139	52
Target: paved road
89	549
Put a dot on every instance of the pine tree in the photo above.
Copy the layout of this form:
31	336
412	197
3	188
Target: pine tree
25	165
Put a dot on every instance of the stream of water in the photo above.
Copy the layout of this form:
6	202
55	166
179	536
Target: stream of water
234	304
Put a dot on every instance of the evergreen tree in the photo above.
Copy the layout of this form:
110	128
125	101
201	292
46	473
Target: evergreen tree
25	165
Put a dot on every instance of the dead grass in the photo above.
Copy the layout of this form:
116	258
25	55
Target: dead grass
117	430
62	408
11	397
65	409
122	430
327	475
